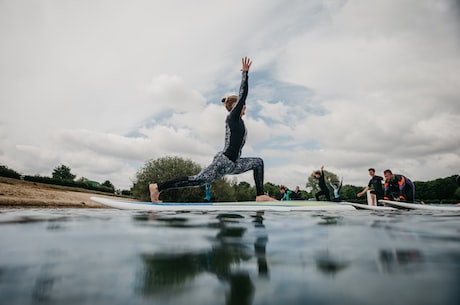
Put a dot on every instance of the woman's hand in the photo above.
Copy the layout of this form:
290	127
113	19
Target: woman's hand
246	64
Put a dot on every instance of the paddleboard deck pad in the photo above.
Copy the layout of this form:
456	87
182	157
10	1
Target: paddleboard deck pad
419	206
295	205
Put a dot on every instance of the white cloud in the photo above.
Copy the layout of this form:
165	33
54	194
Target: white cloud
105	86
277	112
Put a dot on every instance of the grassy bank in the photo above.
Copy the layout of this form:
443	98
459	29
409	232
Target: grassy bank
16	193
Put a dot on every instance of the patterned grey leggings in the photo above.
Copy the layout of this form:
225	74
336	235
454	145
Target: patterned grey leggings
219	167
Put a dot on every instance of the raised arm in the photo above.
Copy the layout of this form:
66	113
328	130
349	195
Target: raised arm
330	182
322	175
246	65
246	62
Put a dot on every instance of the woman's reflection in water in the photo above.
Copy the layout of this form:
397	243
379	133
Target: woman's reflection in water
171	270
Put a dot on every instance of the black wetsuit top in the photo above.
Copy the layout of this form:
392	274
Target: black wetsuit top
228	160
376	183
322	183
235	131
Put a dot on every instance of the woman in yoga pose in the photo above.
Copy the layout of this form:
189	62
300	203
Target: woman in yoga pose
229	160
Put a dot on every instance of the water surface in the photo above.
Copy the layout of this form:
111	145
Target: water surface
104	256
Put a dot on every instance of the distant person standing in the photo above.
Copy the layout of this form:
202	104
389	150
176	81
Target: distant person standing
398	185
322	184
375	185
336	189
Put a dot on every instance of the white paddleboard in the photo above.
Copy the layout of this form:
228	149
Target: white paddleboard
418	206
371	207
369	198
295	205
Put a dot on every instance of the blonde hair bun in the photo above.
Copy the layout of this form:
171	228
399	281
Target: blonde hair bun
228	101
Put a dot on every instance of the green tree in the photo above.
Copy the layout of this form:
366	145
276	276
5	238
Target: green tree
222	190
457	193
63	173
435	190
7	172
164	169
108	184
272	190
349	192
244	191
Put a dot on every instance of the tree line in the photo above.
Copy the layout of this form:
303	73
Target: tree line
61	175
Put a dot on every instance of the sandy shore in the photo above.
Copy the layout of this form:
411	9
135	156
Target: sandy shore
24	194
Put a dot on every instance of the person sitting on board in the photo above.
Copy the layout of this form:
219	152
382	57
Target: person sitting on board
336	189
287	193
376	185
229	160
398	184
298	193
322	184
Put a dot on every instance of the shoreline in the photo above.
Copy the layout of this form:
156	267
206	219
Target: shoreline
25	194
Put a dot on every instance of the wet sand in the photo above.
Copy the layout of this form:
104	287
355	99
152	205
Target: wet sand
25	194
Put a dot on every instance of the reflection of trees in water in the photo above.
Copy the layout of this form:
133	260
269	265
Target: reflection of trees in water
241	289
44	283
400	260
168	270
330	220
162	270
330	264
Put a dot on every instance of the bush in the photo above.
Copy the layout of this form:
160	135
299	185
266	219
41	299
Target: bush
164	169
126	193
69	183
9	173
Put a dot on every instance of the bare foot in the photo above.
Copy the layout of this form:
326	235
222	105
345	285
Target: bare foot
265	198
154	193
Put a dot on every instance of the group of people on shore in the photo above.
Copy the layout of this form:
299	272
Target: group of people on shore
229	162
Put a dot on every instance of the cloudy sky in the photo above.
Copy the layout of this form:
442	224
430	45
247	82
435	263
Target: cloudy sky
104	86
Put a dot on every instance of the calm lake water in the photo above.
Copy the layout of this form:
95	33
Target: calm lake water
104	256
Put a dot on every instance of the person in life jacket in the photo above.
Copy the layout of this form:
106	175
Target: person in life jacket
398	187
